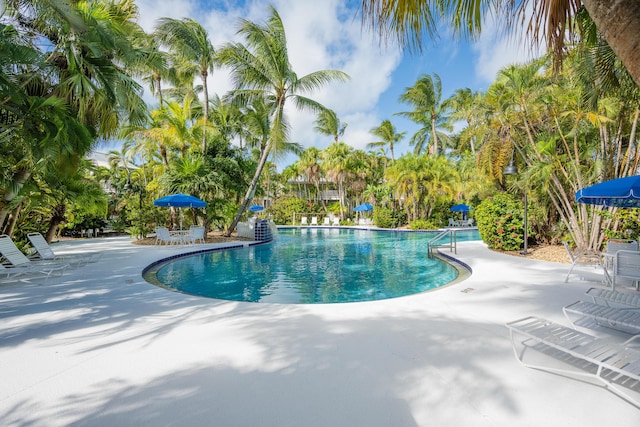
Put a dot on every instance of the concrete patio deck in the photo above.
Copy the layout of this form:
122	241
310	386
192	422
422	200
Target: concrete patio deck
101	347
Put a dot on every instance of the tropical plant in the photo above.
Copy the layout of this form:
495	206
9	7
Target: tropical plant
386	131
262	72
500	222
429	111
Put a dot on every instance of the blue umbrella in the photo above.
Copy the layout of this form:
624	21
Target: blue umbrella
621	192
256	208
461	208
363	208
180	201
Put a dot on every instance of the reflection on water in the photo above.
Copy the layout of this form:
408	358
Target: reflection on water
315	265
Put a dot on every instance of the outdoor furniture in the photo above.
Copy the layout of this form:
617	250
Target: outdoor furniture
626	265
581	257
608	297
327	221
615	245
163	236
615	365
621	319
466	222
303	221
336	221
17	259
314	220
452	223
196	233
45	252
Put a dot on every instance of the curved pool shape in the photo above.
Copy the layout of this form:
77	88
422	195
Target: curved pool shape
313	265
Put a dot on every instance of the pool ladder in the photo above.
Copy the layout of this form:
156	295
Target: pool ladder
436	242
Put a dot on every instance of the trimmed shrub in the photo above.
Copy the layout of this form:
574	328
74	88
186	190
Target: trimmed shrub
282	210
423	224
384	217
500	222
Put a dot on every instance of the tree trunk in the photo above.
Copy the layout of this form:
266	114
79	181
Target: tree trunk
619	23
13	219
19	179
250	191
205	110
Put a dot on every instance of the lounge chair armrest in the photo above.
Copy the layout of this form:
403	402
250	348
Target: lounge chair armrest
631	341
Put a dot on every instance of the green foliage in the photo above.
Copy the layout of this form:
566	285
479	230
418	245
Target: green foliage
500	222
422	224
385	217
282	211
626	224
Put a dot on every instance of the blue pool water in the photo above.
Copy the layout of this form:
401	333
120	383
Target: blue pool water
314	265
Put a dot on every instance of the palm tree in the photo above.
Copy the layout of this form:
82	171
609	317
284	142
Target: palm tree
328	123
190	42
429	112
410	20
309	165
262	70
336	167
388	136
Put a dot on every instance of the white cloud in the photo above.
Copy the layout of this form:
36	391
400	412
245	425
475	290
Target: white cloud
320	36
496	49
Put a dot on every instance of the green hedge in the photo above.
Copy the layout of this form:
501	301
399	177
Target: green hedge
500	222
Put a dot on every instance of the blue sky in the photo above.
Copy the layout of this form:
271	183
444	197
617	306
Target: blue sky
326	34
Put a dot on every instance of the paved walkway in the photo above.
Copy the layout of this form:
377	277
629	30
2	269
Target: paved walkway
101	347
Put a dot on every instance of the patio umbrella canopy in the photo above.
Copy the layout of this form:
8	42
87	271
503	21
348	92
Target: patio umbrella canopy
461	208
363	208
180	201
256	208
621	192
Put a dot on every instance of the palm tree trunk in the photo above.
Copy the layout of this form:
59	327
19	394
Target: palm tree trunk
13	219
19	179
205	110
619	23
249	195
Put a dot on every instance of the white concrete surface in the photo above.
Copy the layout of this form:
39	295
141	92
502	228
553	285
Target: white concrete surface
101	347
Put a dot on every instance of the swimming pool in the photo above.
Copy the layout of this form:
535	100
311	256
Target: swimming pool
314	265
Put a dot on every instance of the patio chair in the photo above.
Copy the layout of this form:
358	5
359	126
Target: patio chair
608	297
45	252
452	223
196	233
621	319
336	221
615	245
164	237
615	365
582	257
17	259
327	221
626	265
314	220
303	221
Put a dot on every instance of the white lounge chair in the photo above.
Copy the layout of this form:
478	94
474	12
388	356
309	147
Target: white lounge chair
608	297
327	221
621	319
303	221
314	220
45	252
452	223
584	258
17	259
615	365
626	265
336	221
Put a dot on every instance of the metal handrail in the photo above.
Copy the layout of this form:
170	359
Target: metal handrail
452	245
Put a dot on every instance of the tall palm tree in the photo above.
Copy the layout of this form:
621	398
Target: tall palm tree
261	69
336	166
309	165
410	20
428	111
328	123
388	136
190	42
